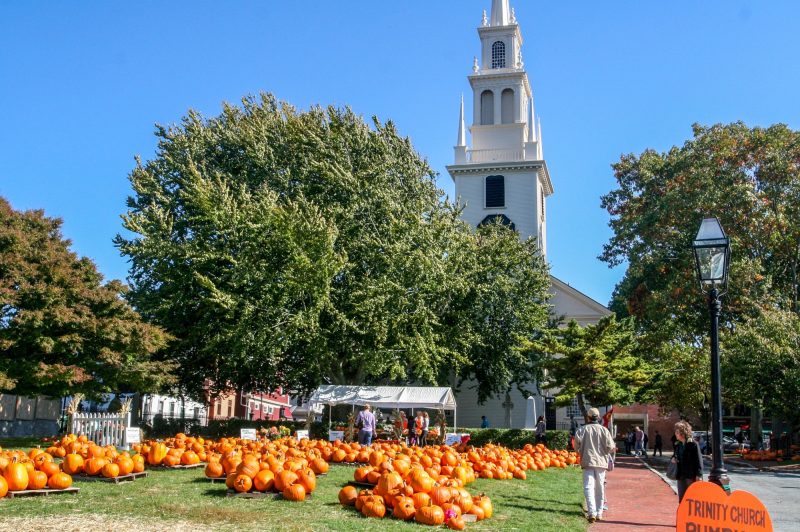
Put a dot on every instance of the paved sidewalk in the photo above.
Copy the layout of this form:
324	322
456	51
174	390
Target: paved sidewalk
638	499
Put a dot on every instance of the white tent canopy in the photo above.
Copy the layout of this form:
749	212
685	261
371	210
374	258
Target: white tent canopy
384	397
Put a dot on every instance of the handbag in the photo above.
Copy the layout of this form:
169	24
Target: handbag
672	470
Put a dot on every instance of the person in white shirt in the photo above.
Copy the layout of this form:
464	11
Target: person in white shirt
595	445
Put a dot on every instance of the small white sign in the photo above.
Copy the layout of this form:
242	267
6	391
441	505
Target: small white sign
132	435
300	434
248	434
334	435
452	439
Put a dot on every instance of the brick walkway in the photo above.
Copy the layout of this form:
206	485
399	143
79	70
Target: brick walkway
637	500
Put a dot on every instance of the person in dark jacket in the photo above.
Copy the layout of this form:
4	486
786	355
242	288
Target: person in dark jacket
687	455
658	445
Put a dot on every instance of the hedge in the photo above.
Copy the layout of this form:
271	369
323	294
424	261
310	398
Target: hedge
221	428
516	438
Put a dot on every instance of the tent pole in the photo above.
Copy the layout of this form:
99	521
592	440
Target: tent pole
455	419
330	413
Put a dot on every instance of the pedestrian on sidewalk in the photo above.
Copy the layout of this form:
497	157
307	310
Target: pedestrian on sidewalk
687	455
638	441
629	440
595	445
657	446
644	444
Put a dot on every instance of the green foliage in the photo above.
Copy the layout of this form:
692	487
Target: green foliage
62	330
516	438
750	180
762	362
598	363
287	249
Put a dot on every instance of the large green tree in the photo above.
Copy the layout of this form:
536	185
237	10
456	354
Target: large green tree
596	363
287	249
750	179
62	330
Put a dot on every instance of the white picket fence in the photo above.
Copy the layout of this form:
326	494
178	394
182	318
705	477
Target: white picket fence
101	428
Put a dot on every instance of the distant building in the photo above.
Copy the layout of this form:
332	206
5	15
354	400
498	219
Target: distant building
256	406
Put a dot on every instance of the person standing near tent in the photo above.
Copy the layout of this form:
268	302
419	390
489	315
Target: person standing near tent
365	423
425	425
419	422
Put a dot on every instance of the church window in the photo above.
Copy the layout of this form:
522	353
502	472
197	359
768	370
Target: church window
494	218
499	54
495	191
507	106
487	108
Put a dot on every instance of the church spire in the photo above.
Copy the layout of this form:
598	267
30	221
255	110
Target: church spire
501	14
462	134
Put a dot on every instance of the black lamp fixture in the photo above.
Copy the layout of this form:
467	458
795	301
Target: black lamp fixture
712	252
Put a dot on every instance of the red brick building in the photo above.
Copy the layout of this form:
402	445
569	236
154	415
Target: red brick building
255	406
650	419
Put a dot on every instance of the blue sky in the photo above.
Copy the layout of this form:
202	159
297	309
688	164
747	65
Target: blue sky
83	83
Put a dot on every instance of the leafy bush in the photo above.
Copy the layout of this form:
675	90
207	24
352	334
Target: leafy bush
516	438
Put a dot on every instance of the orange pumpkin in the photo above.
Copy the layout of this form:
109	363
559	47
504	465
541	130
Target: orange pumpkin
37	480
374	507
110	470
430	515
404	508
308	479
264	480
3	487
125	465
284	479
94	466
73	464
456	523
138	463
421	499
214	470
242	483
348	495
59	481
319	466
295	492
484	502
50	468
158	451
16	475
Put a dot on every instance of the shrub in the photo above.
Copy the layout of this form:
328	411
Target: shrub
516	438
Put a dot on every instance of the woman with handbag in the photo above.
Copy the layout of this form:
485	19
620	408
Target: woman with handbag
686	462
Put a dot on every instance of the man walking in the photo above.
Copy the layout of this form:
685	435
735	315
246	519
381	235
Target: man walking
366	426
595	445
657	446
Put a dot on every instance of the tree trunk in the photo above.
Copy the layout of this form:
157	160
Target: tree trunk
756	417
582	404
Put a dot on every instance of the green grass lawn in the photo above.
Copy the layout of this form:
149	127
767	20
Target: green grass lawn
184	500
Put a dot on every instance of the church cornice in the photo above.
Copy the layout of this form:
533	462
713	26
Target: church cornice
498	76
501	30
466	169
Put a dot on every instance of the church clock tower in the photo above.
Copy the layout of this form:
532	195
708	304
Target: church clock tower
503	175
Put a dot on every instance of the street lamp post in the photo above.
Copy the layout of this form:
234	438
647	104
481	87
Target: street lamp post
712	250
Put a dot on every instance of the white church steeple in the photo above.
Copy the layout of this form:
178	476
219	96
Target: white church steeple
501	14
502	174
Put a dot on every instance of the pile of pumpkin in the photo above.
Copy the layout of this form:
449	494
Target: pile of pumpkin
180	450
761	456
417	497
33	471
289	471
84	457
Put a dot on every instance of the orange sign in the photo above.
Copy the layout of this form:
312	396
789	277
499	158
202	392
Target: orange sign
707	508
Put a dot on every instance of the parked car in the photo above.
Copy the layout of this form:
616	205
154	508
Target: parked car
729	445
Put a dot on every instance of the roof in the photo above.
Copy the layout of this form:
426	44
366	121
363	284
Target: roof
385	396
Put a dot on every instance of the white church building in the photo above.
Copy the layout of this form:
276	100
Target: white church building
503	174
